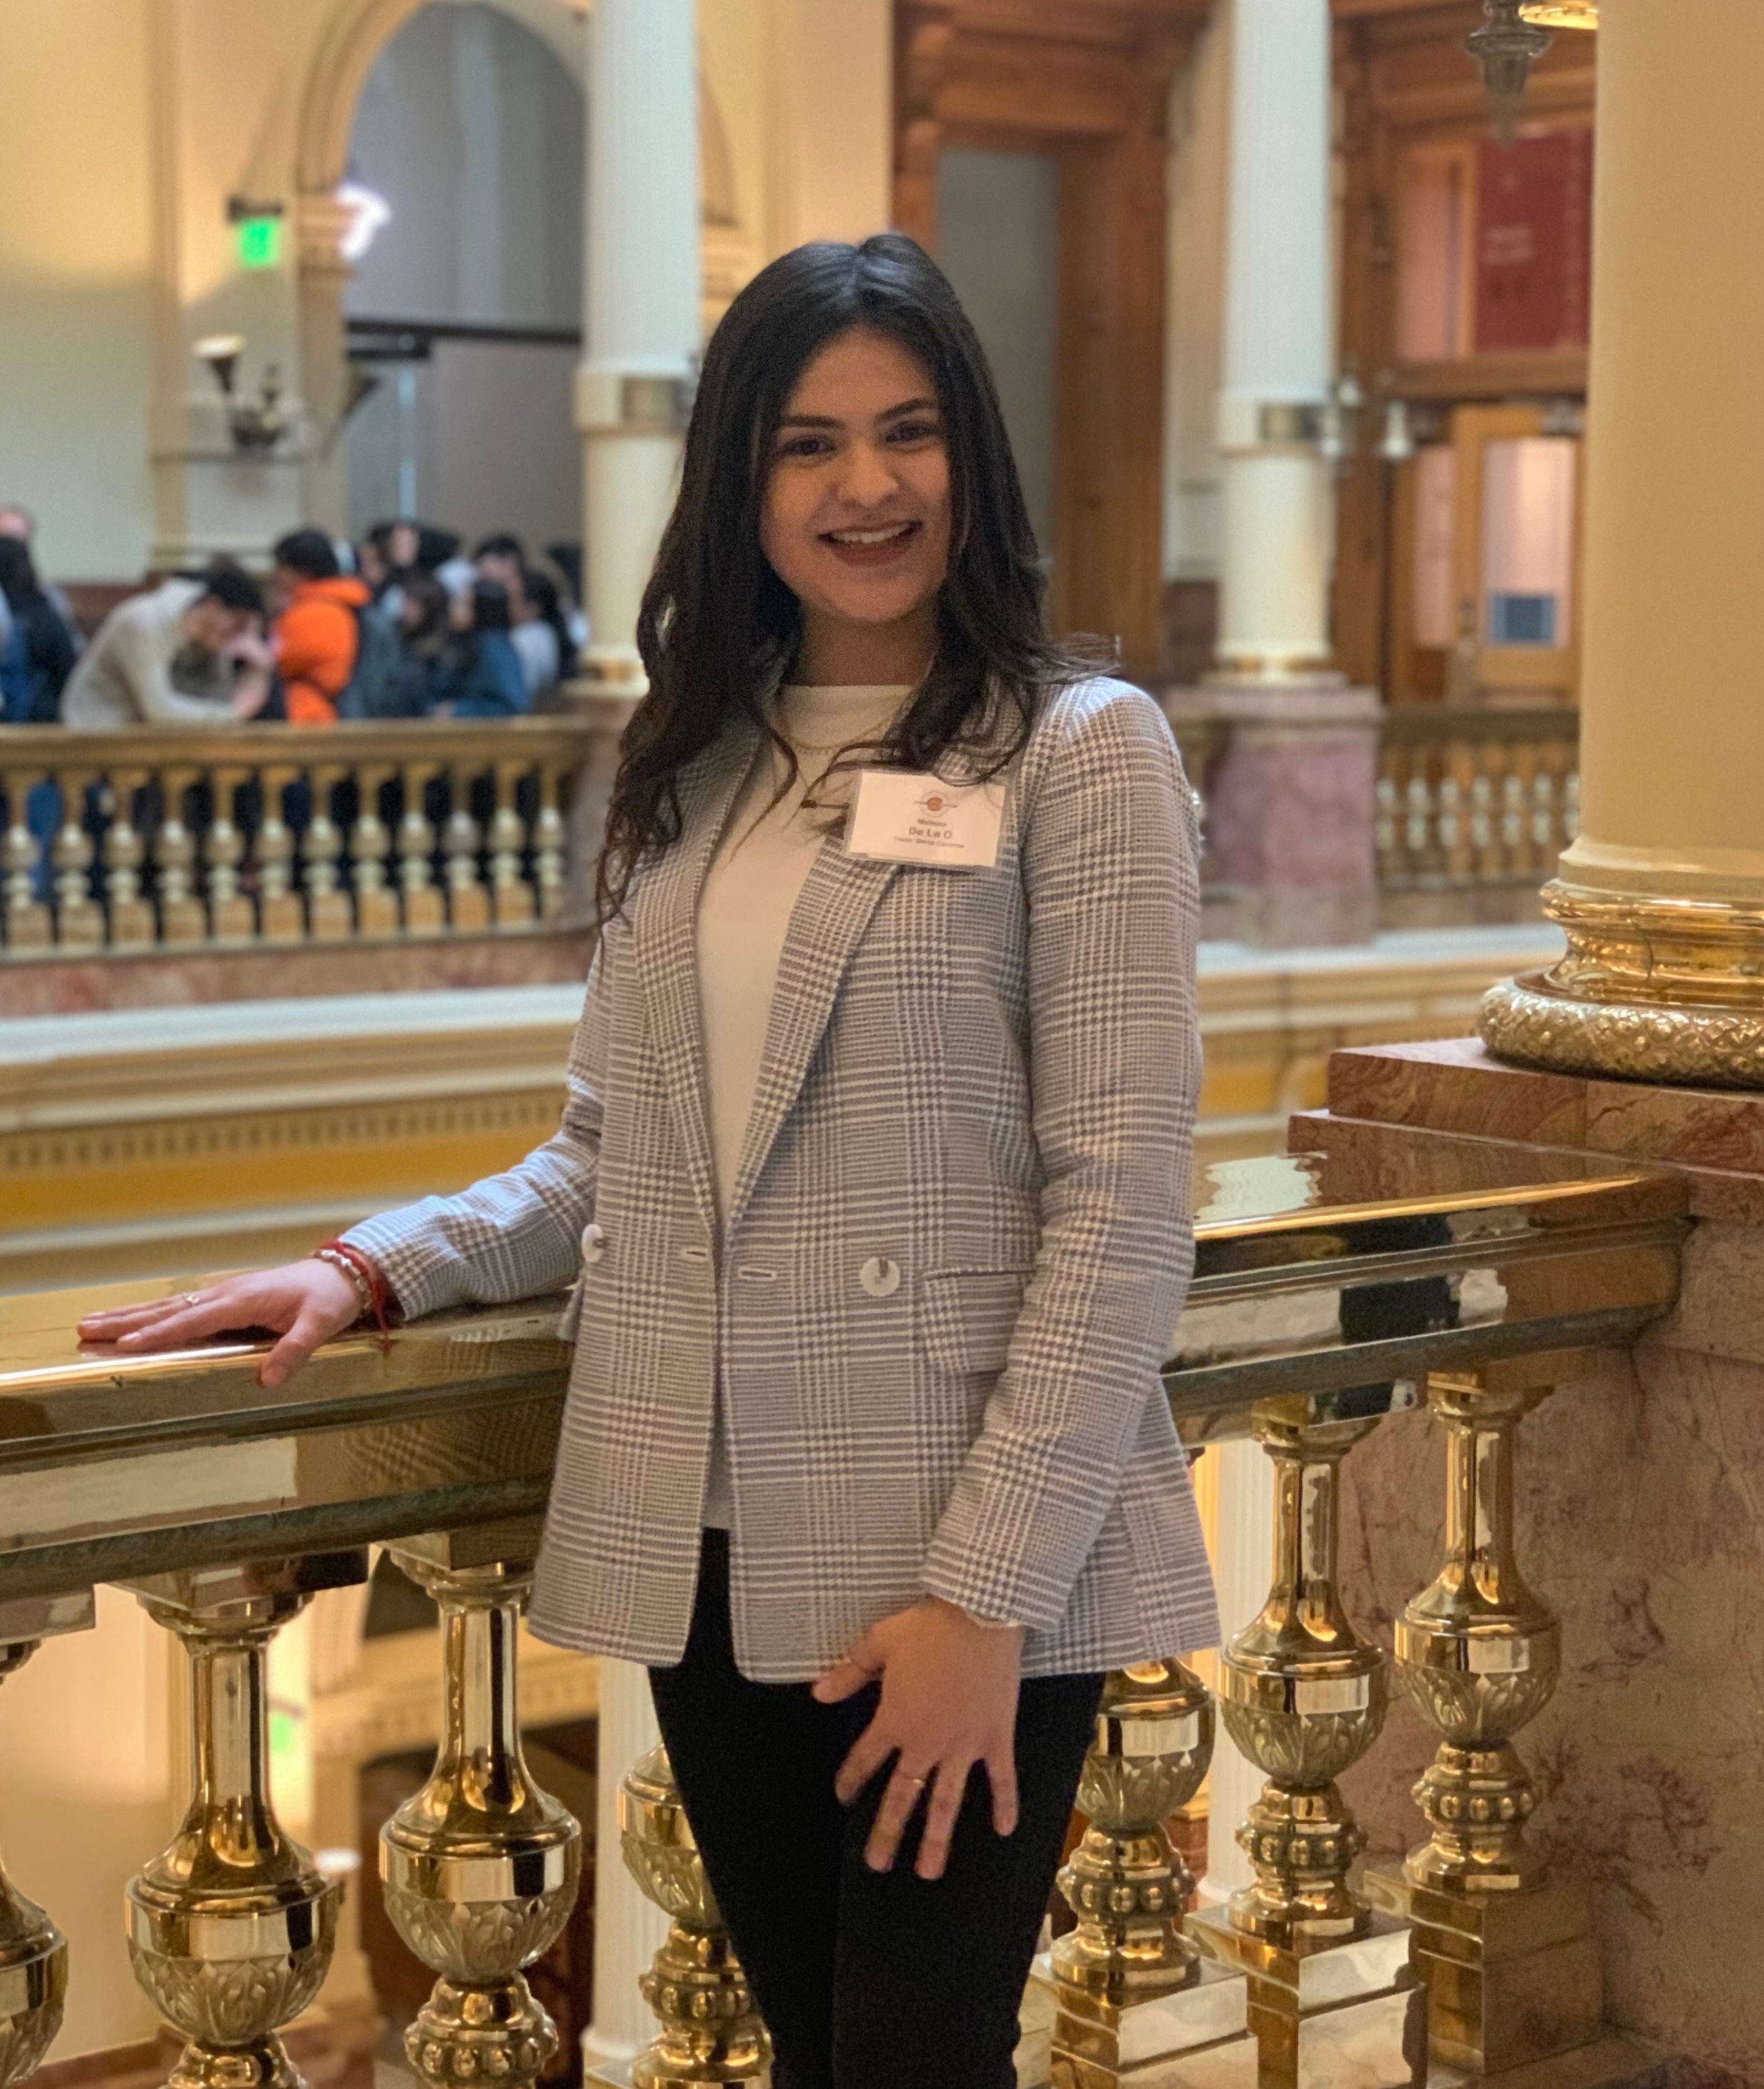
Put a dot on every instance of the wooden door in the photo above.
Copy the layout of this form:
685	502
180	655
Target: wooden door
1485	604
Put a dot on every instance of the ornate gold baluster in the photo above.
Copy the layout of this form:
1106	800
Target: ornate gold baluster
28	926
231	1927
33	1954
330	919
232	918
467	903
1384	827
281	917
1304	1697
124	853
1505	1944
710	2031
78	918
376	906
424	910
183	918
481	1867
1132	1992
511	897
550	846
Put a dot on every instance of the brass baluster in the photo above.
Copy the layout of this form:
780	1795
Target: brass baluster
550	846
28	925
124	853
1385	828
468	902
1303	1697
511	897
231	1927
232	919
1514	857
1417	824
183	918
281	917
1132	1992
78	918
1504	1943
33	1954
424	910
1485	856
481	1868
710	2031
330	919
377	905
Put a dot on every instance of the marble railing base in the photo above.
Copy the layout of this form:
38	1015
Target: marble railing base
162	979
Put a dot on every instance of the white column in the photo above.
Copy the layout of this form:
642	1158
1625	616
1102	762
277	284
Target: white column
1276	381
1242	1554
642	327
628	1930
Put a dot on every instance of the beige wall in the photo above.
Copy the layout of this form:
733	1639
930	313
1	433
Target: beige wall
76	272
89	1730
130	123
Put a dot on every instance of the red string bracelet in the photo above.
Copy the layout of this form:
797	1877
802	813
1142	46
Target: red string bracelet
377	1298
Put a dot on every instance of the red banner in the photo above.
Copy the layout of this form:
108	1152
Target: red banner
1534	243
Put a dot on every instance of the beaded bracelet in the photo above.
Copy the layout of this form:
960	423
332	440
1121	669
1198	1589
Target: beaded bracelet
370	1286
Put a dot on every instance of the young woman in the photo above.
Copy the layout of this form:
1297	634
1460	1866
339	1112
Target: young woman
874	1177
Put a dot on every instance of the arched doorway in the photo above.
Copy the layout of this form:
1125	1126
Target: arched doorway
465	309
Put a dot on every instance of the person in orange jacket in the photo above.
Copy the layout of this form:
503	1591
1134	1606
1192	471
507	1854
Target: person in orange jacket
317	634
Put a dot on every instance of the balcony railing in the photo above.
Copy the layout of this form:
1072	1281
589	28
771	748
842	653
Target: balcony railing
1475	799
1311	1323
269	836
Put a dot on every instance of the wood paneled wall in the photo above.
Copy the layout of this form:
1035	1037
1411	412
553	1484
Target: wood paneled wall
1087	81
1402	75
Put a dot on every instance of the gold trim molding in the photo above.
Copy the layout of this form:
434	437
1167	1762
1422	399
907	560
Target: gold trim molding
1650	989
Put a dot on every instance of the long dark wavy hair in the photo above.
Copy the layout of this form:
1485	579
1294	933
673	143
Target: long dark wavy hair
718	628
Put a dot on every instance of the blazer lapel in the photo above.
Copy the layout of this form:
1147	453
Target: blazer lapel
831	915
664	946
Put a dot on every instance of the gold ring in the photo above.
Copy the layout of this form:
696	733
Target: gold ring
919	1780
189	1297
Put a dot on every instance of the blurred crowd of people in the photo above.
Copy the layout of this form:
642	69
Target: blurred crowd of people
401	625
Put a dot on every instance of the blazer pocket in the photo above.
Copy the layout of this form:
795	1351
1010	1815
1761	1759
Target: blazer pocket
969	1317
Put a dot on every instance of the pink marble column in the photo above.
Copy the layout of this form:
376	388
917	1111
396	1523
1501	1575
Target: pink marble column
1290	804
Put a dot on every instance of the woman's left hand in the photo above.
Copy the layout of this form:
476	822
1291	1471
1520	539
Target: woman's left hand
949	1701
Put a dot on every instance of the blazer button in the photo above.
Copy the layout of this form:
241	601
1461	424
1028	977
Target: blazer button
880	1277
594	1241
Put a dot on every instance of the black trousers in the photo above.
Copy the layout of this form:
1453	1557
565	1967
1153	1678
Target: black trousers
865	1979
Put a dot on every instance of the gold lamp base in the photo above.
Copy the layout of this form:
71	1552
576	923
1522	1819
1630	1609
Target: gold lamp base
1651	989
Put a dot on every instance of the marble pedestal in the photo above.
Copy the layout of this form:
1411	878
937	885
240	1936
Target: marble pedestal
1291	802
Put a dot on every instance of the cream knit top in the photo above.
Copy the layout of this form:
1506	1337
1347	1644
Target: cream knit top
762	861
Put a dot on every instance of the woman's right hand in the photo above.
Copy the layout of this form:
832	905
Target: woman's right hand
304	1302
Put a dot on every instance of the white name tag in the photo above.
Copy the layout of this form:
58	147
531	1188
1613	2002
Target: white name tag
902	817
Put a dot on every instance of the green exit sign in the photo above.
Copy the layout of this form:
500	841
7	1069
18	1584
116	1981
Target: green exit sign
259	242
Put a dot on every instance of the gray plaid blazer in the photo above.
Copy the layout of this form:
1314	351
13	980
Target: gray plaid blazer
958	1239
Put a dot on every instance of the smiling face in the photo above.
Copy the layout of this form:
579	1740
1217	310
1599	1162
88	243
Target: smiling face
856	515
